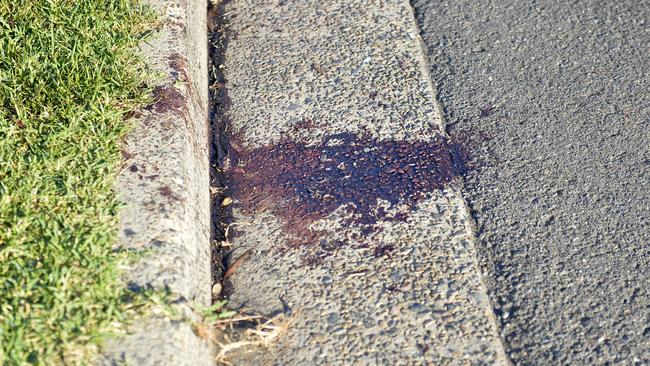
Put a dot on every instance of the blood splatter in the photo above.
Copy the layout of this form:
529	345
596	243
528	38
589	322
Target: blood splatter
304	183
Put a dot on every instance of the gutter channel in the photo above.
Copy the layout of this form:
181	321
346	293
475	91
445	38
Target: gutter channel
219	146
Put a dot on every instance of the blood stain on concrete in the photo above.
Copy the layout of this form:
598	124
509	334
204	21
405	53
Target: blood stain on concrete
178	64
305	183
168	99
166	192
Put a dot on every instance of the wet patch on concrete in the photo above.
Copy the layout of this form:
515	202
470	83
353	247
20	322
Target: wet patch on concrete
178	64
167	192
466	153
168	99
305	183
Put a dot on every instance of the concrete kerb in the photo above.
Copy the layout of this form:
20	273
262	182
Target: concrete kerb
490	316
165	187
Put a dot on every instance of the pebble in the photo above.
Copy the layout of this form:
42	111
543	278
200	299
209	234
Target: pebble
326	279
216	290
333	318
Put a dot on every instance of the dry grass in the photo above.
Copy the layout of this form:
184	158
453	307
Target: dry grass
262	337
236	333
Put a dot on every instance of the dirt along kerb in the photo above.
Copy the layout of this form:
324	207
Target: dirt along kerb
306	183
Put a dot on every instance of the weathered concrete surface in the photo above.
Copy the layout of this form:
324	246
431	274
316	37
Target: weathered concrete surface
397	283
164	185
554	95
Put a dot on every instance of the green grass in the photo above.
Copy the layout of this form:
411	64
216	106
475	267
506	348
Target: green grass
68	76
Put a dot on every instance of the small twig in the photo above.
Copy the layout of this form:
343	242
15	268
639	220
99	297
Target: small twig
225	235
240	319
236	263
225	348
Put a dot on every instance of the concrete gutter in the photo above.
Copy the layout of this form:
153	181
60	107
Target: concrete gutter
322	94
164	185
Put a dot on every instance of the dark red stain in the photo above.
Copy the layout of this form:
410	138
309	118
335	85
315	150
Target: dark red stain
305	123
166	192
303	184
132	114
168	99
383	250
178	64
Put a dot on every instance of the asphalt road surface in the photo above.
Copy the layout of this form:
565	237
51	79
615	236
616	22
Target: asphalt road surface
551	102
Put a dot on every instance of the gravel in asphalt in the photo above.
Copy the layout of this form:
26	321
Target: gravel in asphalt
551	100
